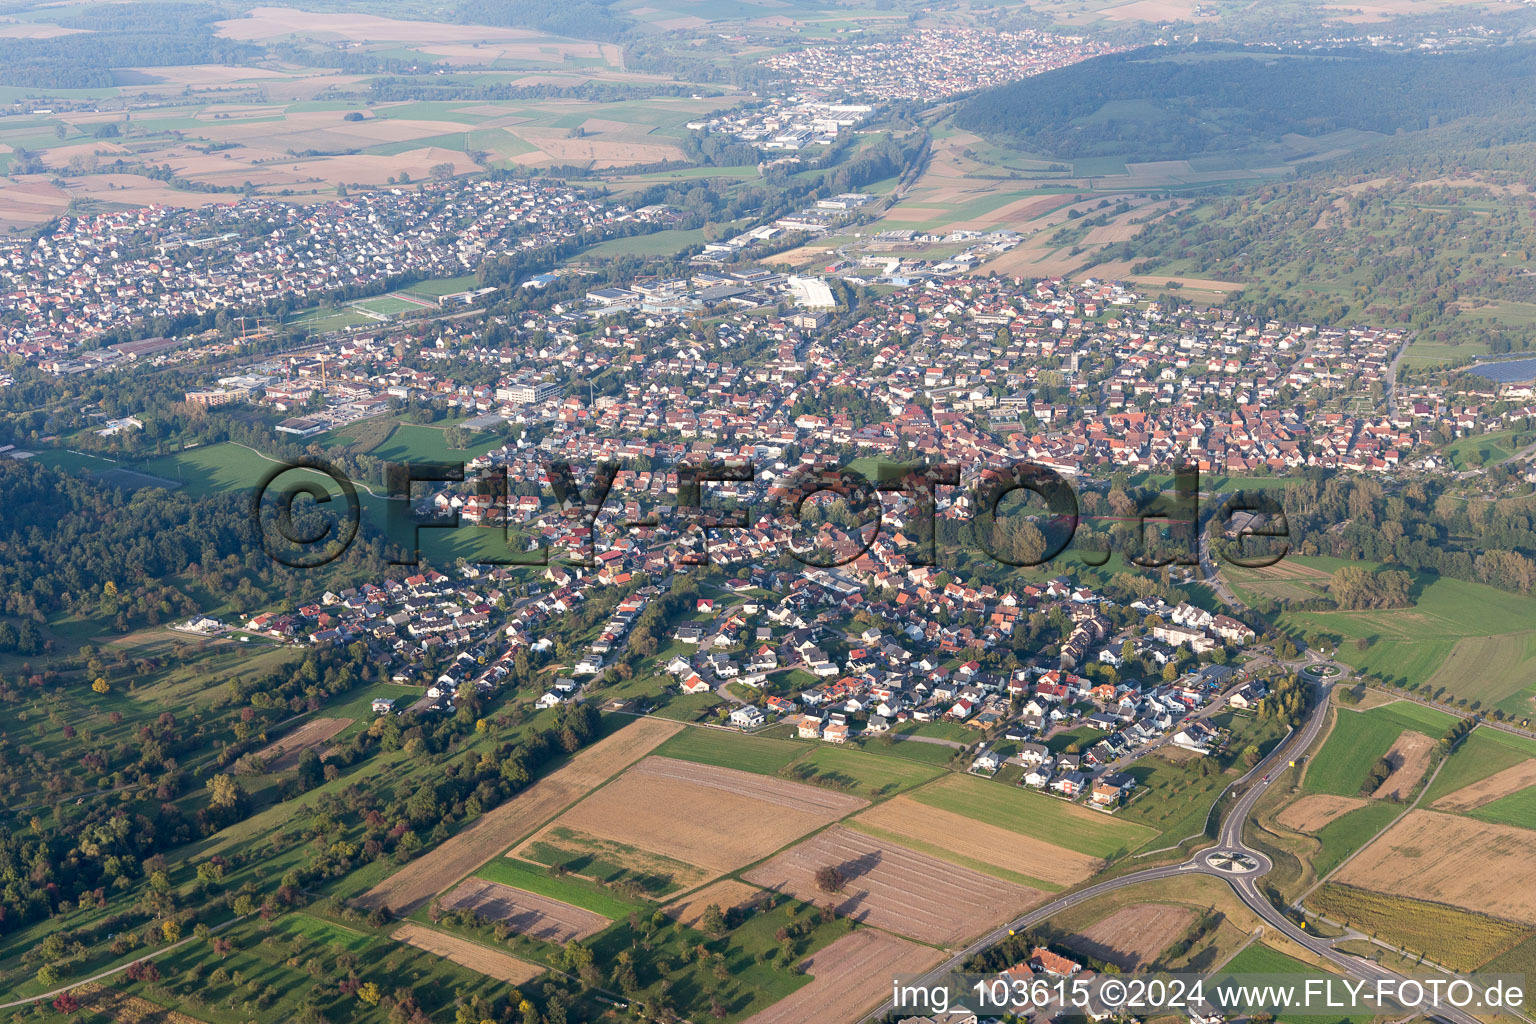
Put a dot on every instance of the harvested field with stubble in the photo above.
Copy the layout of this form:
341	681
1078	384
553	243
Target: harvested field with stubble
493	832
716	818
892	887
1410	758
1443	858
727	894
1132	937
537	917
974	840
476	957
1486	791
848	977
284	753
1314	812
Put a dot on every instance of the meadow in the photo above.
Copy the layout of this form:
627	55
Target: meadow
1472	639
1361	738
1035	814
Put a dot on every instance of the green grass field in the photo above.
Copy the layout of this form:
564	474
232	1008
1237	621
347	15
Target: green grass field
728	750
1487	751
1518	809
1361	738
1498	671
1035	814
1410	645
863	774
565	888
1344	835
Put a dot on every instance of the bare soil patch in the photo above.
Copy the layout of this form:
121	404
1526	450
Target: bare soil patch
716	818
1133	936
727	894
848	977
892	887
1475	865
1409	757
476	957
1486	791
979	841
1312	813
284	753
499	828
537	917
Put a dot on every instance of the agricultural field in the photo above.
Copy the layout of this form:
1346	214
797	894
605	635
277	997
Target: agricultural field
1452	860
857	772
283	754
1359	739
508	823
727	750
1314	812
536	917
1018	857
556	886
1409	758
682	823
1460	940
849	976
1026	812
1132	937
894	888
478	958
1418	645
1485	752
728	894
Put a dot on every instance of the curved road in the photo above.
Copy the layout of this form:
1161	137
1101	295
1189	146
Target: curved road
1244	883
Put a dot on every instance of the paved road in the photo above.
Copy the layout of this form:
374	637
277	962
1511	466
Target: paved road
1246	884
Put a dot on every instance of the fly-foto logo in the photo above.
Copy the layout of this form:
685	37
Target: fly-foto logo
1022	515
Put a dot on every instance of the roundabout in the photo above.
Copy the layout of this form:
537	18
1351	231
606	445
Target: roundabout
1235	862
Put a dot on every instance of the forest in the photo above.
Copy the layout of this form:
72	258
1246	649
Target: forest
1152	104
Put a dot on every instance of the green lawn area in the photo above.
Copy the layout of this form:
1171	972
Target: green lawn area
1361	738
566	888
730	750
657	243
1035	814
1083	737
928	753
216	468
1480	449
855	771
414	442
